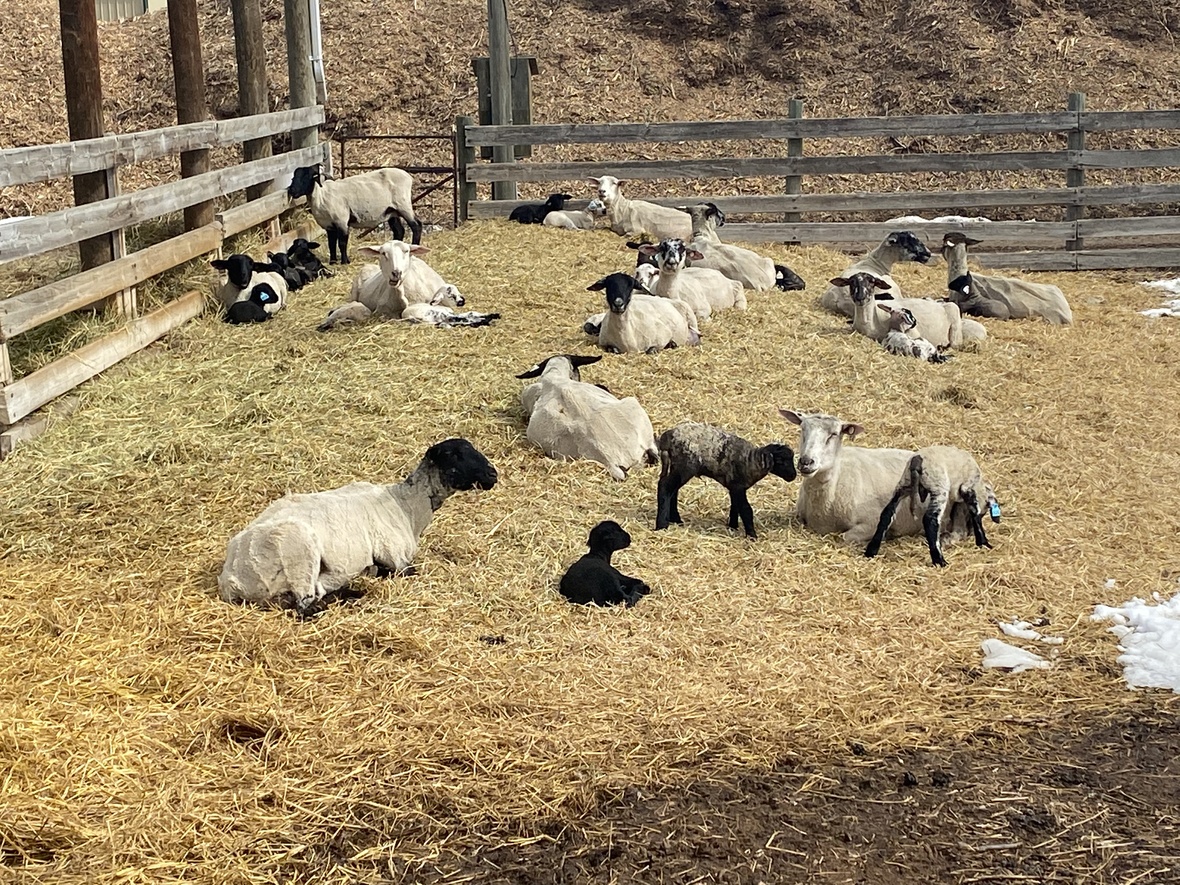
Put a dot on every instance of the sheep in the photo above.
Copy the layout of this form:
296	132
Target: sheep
898	342
898	246
400	278
254	308
295	275
703	289
747	267
534	213
592	580
1003	298
241	271
639	216
570	419
575	219
302	254
439	312
639	322
366	201
690	449
843	489
937	321
935	477
305	547
647	275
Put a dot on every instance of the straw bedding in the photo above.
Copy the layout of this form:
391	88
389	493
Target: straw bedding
153	733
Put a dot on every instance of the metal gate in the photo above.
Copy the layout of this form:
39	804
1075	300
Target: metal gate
113	10
363	164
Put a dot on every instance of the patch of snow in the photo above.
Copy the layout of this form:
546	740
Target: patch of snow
1024	630
941	219
1171	308
1172	286
1149	639
997	653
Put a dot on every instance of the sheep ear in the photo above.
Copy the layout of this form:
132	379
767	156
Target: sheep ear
880	283
695	254
592	181
219	264
580	361
369	250
885	307
534	372
595	287
648	248
840	281
419	250
793	417
970	242
852	430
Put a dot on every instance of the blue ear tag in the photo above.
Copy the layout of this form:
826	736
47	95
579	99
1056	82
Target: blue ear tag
994	510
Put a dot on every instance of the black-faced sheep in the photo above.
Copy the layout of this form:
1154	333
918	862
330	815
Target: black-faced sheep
1003	298
254	308
242	271
690	449
592	580
703	289
534	213
898	246
637	322
302	548
747	267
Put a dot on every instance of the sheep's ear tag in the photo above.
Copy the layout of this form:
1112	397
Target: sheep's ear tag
993	511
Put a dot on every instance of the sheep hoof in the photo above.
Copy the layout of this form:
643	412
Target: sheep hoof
653	349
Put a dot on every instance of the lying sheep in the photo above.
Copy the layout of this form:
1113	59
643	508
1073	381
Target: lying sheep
898	246
1002	298
576	219
296	277
400	278
843	488
592	580
938	322
254	309
570	419
302	254
638	216
365	201
241	271
639	322
938	476
899	342
702	289
747	267
302	548
534	213
647	275
439	311
689	450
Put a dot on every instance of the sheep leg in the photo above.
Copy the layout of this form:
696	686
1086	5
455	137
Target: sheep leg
395	225
739	506
974	519
666	492
392	571
930	524
885	521
342	241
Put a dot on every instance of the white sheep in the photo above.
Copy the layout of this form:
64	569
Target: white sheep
703	289
938	322
1003	298
439	311
633	217
898	246
365	201
305	547
636	322
242	272
400	278
899	342
749	268
576	219
940	481
570	419
843	488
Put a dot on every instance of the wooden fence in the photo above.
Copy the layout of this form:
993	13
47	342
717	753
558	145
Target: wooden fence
115	281
1074	243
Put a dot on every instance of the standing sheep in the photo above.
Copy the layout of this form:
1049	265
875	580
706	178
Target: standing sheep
1003	298
639	216
636	322
900	245
690	449
592	580
366	201
302	548
938	476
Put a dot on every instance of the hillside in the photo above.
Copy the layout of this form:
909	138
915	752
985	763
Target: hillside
405	66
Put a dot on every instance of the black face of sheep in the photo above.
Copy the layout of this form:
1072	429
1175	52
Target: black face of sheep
914	248
619	287
962	285
608	537
576	362
782	461
787	280
303	181
462	466
252	310
239	268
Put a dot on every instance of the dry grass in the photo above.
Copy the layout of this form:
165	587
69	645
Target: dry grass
152	733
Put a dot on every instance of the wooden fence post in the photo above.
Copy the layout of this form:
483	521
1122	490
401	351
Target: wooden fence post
301	83
794	149
188	73
124	303
500	78
464	158
1075	176
253	98
5	364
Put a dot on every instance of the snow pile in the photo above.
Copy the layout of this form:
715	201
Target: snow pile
1149	639
941	219
1171	306
1005	656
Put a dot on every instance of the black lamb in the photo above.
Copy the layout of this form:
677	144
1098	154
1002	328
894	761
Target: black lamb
534	213
253	309
592	580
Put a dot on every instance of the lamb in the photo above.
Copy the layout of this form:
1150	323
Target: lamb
366	201
703	289
295	275
570	419
254	309
898	341
690	449
935	477
747	267
439	312
302	254
534	213
592	580
844	489
399	279
241	271
898	246
639	322
305	547
576	219
937	321
639	216
1003	298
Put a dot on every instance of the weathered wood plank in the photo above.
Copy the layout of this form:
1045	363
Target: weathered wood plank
42	386
26	165
995	233
253	213
1119	121
33	236
34	425
1060	260
1154	158
27	311
741	167
1151	226
1107	259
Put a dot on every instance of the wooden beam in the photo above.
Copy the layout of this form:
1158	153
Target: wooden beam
240	218
1109	259
1149	226
188	74
500	89
1015	233
32	236
1120	121
1059	260
28	429
253	97
300	83
83	81
49	382
28	165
